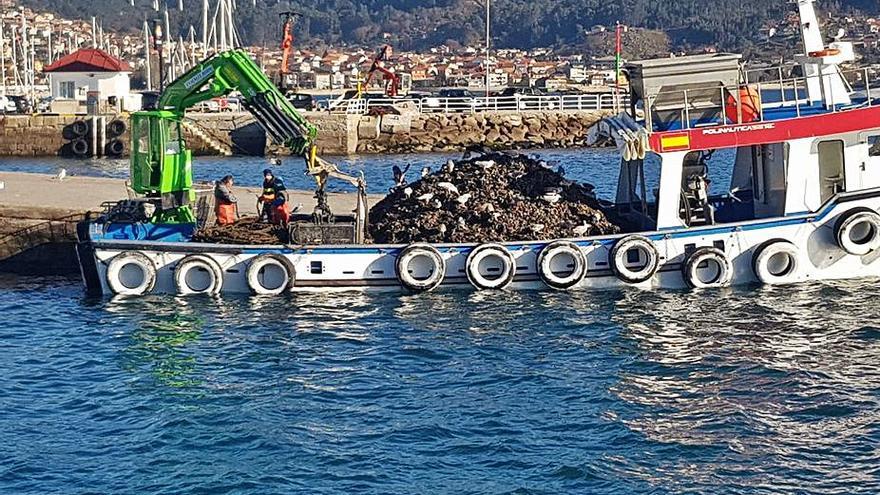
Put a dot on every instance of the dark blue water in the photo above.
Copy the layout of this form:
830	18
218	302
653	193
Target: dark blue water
736	391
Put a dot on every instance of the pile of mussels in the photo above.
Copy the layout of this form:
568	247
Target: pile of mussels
491	198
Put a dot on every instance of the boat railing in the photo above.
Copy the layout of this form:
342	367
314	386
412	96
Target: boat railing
567	102
764	99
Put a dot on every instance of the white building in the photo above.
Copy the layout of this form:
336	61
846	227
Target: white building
74	77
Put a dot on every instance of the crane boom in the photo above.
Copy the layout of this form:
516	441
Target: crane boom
161	164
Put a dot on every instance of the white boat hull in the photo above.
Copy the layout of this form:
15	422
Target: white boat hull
368	267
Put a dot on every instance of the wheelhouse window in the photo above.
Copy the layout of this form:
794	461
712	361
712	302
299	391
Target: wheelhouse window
874	146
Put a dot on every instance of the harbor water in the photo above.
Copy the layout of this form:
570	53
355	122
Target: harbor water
743	390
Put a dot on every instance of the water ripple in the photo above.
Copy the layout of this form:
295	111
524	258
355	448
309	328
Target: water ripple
737	391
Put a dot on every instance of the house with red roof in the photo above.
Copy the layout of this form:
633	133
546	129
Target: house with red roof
89	70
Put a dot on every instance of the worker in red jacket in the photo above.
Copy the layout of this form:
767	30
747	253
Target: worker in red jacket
280	206
225	202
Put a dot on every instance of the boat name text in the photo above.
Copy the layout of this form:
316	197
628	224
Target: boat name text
739	128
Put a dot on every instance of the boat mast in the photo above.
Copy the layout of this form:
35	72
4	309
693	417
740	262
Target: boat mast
824	80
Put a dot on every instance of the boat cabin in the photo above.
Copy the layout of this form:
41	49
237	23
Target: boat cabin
707	141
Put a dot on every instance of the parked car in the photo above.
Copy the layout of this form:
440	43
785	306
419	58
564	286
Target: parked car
16	104
452	99
302	101
7	105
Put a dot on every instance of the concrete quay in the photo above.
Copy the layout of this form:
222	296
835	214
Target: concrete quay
38	216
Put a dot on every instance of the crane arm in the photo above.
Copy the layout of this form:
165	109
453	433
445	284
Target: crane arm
160	162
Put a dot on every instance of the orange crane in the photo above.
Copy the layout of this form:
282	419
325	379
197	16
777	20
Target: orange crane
289	19
392	80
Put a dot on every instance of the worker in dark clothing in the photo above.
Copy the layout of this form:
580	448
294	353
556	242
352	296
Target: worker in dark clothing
267	198
280	206
225	202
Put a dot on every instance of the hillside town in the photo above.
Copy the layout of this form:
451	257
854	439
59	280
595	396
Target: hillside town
31	41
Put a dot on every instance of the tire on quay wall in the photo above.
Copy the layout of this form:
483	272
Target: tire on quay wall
79	128
777	262
131	273
858	231
420	268
574	271
647	252
486	281
79	147
707	268
198	274
115	148
270	275
116	128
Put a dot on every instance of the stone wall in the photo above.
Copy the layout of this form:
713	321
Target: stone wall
41	135
502	130
338	134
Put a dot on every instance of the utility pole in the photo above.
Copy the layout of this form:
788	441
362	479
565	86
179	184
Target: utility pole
2	60
488	43
149	71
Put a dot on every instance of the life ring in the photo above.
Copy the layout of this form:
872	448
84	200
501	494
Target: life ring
648	259
131	274
80	147
707	268
198	274
491	267
270	275
858	231
565	275
828	52
429	273
116	128
776	262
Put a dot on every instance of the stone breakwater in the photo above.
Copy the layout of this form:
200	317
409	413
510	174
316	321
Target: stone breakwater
498	130
339	134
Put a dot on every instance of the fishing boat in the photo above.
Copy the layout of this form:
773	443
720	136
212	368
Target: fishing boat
802	153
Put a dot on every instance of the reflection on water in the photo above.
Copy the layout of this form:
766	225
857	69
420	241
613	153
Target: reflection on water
745	390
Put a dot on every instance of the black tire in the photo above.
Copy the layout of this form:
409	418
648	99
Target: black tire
80	147
115	148
79	128
116	128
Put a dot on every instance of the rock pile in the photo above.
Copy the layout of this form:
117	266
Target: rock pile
495	197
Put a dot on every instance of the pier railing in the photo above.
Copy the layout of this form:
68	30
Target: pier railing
577	102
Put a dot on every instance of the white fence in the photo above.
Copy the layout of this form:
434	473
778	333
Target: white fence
596	101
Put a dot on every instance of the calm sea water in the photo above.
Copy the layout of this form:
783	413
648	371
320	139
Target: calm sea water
742	391
737	391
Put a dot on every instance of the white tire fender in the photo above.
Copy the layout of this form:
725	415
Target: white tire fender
131	273
777	262
715	260
647	252
858	231
489	251
198	274
573	275
436	270
270	275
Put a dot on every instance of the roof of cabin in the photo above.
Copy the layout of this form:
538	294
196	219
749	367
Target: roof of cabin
88	60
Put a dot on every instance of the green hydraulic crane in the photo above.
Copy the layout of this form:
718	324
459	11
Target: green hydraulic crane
161	164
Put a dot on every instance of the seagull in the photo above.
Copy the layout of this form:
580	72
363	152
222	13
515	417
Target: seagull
772	33
408	192
443	229
450	167
552	197
399	175
426	171
448	186
840	34
426	197
437	204
463	199
62	174
582	230
485	165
